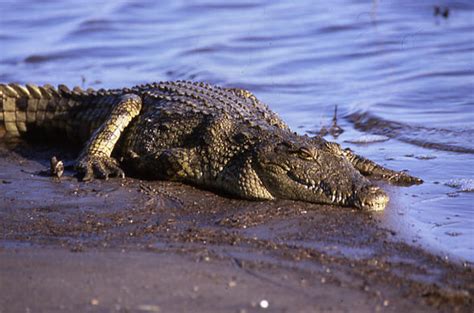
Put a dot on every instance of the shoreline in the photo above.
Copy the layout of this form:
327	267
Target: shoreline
397	218
295	255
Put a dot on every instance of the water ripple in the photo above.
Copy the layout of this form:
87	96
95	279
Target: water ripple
427	137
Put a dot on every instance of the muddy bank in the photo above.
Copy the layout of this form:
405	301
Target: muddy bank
137	246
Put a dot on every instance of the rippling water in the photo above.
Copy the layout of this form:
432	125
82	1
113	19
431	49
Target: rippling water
402	78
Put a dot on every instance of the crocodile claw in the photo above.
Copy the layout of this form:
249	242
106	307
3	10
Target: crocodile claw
102	167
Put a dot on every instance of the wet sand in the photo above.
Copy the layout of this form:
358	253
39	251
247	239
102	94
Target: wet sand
141	246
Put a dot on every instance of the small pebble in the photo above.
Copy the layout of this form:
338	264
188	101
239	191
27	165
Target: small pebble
385	303
232	284
95	301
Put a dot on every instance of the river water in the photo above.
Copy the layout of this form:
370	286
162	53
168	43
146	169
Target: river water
402	78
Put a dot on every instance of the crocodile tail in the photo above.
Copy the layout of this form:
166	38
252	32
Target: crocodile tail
53	112
25	107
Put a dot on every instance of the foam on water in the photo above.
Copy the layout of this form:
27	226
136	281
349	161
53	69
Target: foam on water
366	139
462	184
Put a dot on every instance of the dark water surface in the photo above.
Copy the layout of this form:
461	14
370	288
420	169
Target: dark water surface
402	78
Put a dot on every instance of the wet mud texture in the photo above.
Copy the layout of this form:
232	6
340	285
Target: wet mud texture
150	246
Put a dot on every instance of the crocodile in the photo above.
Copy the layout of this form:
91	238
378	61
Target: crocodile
221	139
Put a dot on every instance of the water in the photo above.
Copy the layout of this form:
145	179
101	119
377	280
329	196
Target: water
402	78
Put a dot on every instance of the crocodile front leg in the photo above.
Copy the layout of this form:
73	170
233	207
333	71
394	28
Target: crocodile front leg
95	159
372	169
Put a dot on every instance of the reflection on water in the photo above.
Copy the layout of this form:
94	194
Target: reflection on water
393	68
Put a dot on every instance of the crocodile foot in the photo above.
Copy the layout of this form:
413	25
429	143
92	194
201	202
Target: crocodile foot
93	166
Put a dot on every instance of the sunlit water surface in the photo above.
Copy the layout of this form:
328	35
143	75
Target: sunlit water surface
402	78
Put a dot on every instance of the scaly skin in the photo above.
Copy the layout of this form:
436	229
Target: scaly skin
217	138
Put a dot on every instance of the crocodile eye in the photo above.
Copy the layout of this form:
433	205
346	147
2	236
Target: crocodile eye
305	153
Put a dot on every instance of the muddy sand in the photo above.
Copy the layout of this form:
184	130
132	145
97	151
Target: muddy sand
142	246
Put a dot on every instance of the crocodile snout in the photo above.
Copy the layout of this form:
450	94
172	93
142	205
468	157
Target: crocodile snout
372	198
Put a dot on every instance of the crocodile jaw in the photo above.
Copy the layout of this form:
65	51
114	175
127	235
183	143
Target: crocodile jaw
282	183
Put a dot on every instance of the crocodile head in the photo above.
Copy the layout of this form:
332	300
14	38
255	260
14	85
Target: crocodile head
314	170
